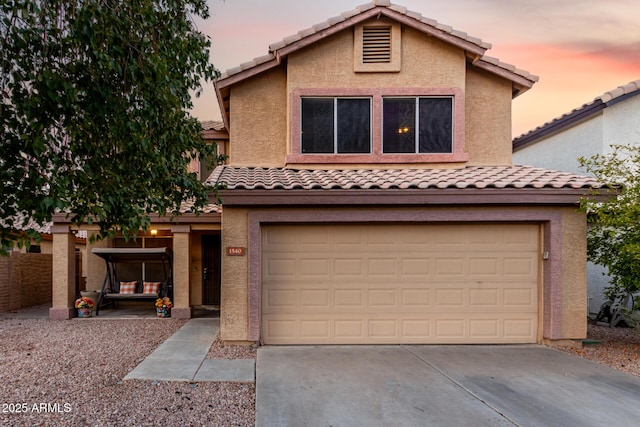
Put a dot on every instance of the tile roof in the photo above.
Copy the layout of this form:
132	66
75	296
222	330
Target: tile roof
478	177
437	29
212	125
187	207
22	223
580	113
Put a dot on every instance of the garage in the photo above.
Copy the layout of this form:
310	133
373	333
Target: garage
375	283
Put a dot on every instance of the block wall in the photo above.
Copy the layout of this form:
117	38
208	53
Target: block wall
25	280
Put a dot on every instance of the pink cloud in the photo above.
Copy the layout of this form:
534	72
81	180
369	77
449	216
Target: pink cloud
569	78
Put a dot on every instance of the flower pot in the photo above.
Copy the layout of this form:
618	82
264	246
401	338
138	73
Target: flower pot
94	295
85	312
163	312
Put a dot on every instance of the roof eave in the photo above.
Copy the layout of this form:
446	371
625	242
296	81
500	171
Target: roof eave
472	49
215	134
406	197
520	83
221	95
467	46
246	73
183	218
570	119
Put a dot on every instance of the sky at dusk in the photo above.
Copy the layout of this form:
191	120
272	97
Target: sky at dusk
578	48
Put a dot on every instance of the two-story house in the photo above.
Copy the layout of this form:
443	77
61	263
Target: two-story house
370	196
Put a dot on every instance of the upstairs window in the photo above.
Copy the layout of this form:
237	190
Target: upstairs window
376	125
417	125
336	125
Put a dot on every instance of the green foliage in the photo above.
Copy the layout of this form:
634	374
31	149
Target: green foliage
613	239
93	111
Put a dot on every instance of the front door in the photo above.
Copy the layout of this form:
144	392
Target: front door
211	269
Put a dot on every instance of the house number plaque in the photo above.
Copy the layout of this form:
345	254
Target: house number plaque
235	251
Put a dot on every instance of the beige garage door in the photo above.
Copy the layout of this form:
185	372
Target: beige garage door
383	284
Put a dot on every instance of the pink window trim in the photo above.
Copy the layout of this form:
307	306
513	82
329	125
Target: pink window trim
377	156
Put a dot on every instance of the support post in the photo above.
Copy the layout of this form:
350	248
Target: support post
63	276
181	275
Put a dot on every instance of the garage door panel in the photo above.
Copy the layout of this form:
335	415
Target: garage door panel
315	298
520	298
348	268
449	266
419	298
412	267
520	236
381	267
278	268
363	284
349	299
519	267
448	298
281	330
381	329
315	238
485	328
519	329
363	296
313	267
276	299
484	298
485	266
485	238
349	238
315	329
415	329
349	329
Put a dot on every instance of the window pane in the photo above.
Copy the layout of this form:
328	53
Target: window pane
354	126
398	125
436	122
317	125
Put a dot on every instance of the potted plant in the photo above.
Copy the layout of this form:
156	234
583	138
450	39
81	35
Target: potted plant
94	295
85	306
163	307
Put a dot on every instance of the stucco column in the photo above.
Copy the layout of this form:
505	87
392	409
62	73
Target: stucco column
96	267
181	275
63	277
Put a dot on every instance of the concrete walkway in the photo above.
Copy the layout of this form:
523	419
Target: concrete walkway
182	357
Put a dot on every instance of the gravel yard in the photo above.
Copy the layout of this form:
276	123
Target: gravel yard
219	351
618	348
69	373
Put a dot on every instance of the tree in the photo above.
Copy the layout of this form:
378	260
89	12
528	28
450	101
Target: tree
93	114
613	239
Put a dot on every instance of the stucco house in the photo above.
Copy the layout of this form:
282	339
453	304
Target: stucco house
610	119
370	197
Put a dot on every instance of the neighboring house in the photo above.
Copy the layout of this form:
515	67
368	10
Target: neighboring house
370	197
213	133
610	119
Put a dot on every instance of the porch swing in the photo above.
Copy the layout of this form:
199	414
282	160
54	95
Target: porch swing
122	284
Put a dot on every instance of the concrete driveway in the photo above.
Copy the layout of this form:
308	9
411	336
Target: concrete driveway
439	386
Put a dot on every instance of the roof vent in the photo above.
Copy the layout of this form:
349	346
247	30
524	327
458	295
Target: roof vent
376	45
